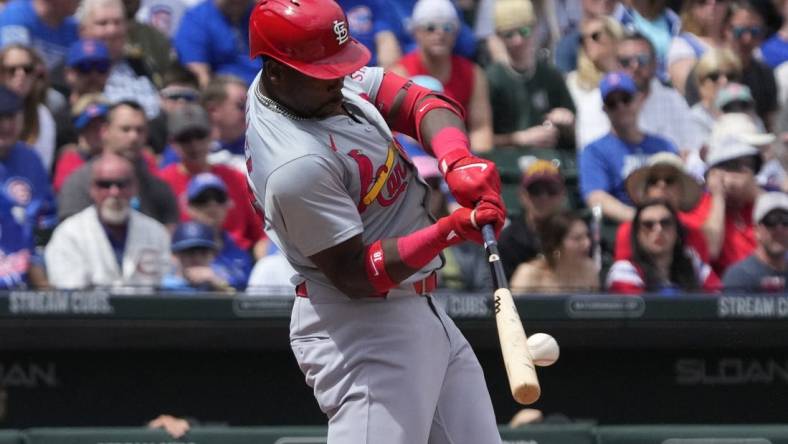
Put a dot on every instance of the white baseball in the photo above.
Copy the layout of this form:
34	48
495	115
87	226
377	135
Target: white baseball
544	349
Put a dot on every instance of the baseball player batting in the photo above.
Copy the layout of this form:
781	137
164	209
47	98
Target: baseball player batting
346	206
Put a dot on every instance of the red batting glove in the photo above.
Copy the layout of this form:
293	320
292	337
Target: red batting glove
471	179
466	223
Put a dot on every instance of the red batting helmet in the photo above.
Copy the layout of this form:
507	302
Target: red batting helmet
310	36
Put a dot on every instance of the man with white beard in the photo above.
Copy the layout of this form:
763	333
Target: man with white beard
109	244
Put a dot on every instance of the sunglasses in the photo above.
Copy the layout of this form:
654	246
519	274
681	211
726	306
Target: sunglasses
596	36
101	67
753	31
11	70
738	165
209	196
669	180
612	101
775	218
191	136
716	75
106	184
666	224
543	189
446	27
635	60
737	106
523	32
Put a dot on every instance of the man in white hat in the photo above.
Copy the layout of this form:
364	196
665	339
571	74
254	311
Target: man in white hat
766	270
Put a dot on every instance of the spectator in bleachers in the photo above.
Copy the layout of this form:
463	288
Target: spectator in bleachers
90	114
189	134
147	43
744	31
565	265
213	38
130	78
164	15
660	263
225	100
737	98
775	49
606	162
179	88
566	52
23	72
376	26
435	25
124	133
46	25
194	248
766	270
19	267
656	22
209	202
725	212
702	25
595	58
530	103
109	243
23	179
542	194
745	127
664	177
665	112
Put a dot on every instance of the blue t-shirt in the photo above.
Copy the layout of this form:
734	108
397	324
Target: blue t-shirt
206	36
774	51
368	17
232	263
566	52
606	163
20	24
25	183
466	40
16	247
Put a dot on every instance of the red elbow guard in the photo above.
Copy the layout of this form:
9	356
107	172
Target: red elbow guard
375	266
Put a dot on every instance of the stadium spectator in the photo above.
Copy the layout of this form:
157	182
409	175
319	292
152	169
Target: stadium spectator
567	49
19	265
147	43
194	248
213	38
23	72
565	265
530	103
744	32
606	162
725	212
766	270
179	88
775	49
190	137
90	116
466	43
225	100
541	195
665	112
376	26
595	58
656	22
271	276
129	77
664	177
46	25
164	15
109	243
124	133
660	263
435	25
702	25
24	181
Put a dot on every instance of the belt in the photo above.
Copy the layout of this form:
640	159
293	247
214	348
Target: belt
421	287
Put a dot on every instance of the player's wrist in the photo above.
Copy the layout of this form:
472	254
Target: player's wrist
450	140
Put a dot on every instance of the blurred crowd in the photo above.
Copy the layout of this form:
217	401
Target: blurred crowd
641	142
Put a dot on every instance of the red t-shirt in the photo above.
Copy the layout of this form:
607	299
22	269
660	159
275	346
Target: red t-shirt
242	223
461	81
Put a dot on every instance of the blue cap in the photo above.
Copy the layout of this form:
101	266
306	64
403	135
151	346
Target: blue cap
616	81
202	182
10	102
87	51
190	235
93	111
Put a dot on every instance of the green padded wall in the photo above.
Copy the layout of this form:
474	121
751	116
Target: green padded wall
693	434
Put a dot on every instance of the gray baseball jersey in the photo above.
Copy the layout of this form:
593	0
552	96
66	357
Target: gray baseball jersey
385	371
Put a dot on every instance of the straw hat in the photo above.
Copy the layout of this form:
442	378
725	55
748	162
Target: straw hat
690	189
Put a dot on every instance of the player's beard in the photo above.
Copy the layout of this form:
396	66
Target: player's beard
114	211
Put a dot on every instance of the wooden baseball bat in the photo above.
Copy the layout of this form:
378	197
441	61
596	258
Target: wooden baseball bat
514	344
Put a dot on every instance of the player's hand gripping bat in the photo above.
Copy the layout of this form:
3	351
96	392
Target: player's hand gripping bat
514	346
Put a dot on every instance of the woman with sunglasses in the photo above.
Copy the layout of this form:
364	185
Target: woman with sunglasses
702	30
23	72
660	263
565	264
